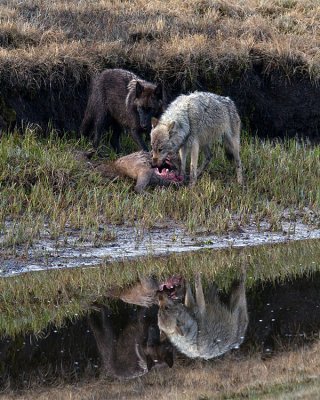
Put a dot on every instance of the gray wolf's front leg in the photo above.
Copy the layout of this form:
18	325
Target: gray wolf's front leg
206	161
183	158
199	294
194	162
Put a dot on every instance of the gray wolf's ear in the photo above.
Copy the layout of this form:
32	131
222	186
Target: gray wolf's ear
154	122
139	89
171	126
179	330
158	91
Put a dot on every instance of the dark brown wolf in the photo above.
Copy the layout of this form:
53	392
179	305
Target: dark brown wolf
136	350
120	99
137	166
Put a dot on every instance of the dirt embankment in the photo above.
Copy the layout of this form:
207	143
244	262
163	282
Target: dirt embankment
264	55
270	104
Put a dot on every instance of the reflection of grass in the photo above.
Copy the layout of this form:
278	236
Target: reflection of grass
288	375
42	182
30	301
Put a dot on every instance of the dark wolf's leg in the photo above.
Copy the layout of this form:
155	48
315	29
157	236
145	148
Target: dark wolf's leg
87	123
143	181
103	332
136	135
99	125
199	294
232	147
115	136
208	156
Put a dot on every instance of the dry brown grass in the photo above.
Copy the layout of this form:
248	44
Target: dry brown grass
288	375
180	39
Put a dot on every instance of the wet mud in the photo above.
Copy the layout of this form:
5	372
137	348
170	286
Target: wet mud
128	243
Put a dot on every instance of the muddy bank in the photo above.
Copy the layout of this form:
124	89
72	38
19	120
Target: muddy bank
129	243
270	104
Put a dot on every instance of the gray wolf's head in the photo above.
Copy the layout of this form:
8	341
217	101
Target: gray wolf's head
169	315
148	102
160	141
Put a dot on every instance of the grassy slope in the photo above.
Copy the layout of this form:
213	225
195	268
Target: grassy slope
41	182
43	42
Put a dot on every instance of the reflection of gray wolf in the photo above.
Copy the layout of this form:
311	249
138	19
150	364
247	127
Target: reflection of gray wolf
190	124
120	99
136	349
204	328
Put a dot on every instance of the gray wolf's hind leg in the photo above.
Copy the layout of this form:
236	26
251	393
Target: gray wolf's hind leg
232	148
238	305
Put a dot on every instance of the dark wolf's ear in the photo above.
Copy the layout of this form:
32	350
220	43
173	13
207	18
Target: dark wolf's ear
158	91
150	362
163	336
139	89
154	122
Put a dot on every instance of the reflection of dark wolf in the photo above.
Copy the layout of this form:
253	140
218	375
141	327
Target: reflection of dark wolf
205	328
120	99
136	350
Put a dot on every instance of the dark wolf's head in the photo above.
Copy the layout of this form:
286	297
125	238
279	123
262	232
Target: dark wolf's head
148	102
157	353
160	142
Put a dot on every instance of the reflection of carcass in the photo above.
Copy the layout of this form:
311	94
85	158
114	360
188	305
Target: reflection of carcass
204	328
137	348
137	166
145	292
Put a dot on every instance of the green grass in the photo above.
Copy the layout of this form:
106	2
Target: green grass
43	186
29	302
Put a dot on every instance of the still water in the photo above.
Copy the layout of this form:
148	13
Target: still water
162	325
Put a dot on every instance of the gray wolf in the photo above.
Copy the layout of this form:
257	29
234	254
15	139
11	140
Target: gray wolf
136	349
191	123
204	328
120	99
138	166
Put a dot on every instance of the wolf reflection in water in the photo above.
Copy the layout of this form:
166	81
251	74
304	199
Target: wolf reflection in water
136	349
205	327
